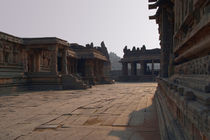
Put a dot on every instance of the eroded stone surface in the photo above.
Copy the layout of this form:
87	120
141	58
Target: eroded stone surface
110	112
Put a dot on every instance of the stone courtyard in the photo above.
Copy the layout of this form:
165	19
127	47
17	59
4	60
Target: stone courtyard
121	111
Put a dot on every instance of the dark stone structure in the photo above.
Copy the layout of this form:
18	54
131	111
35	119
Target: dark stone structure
182	96
93	63
143	57
50	63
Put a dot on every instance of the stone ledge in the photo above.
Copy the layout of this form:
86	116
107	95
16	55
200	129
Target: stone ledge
205	22
193	110
170	129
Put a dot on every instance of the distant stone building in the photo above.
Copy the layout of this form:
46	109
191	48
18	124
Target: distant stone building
146	60
93	63
50	63
183	94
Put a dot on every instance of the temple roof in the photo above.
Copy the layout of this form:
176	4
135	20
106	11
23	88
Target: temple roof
72	53
75	50
87	52
44	40
155	4
10	38
141	58
32	41
138	54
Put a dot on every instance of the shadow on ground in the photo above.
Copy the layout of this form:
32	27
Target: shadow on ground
141	125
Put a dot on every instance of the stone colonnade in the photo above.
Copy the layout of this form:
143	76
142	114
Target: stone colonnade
54	61
94	68
35	57
72	65
134	68
91	67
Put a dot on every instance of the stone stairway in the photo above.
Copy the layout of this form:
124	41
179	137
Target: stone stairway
73	82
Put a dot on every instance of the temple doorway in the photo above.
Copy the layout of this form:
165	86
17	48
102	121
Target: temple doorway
59	63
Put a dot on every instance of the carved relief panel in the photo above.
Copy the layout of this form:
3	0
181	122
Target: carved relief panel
10	53
7	53
45	59
24	60
200	66
1	52
15	55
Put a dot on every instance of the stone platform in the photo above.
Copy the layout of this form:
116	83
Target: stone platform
122	111
143	78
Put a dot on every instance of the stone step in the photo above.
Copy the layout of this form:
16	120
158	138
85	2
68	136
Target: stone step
71	82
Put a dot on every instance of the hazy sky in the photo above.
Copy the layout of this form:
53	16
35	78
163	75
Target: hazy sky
117	22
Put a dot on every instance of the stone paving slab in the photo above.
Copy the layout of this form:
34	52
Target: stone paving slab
122	111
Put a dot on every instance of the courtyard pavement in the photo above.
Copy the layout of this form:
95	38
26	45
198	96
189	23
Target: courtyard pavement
121	111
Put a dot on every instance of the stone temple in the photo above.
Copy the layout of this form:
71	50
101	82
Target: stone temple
143	58
183	94
50	63
176	108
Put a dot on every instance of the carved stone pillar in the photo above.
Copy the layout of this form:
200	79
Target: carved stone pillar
33	63
75	66
152	67
1	55
92	68
125	68
133	68
10	56
166	41
54	65
37	62
64	61
95	68
25	60
106	68
101	68
143	68
98	69
89	68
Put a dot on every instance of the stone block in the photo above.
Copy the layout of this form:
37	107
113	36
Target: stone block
181	91
47	126
207	88
189	95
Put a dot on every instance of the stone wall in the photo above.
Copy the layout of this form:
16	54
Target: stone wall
182	95
142	62
50	63
12	64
